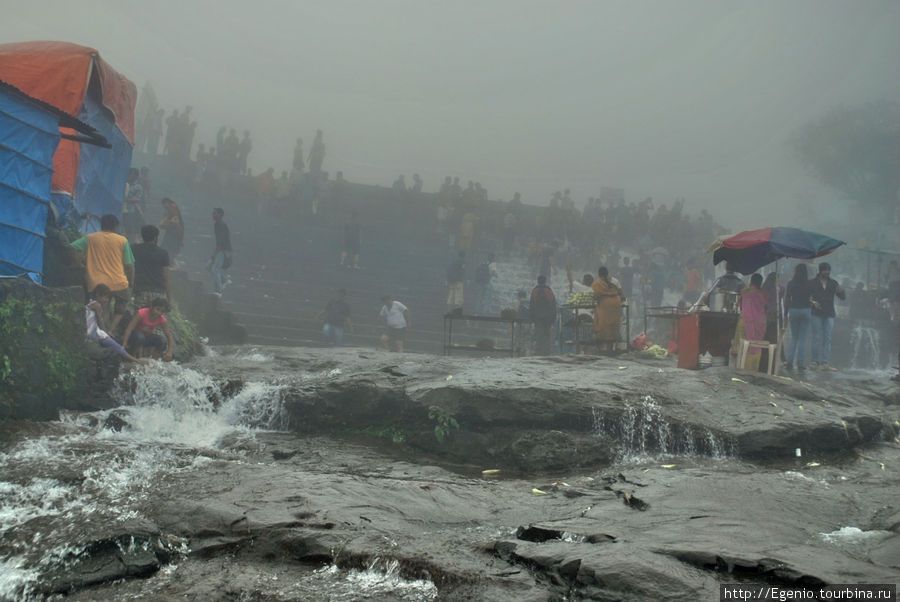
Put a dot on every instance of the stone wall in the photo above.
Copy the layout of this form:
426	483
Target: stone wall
46	363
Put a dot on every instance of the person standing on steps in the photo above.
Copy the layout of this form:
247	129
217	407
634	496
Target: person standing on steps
485	274
396	318
221	257
336	316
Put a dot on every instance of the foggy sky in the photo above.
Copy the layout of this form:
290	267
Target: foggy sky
667	99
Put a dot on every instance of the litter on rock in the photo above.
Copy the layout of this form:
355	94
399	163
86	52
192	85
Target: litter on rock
668	465
491	471
537	491
735	379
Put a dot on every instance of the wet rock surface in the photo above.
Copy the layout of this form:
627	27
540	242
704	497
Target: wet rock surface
473	538
553	413
606	479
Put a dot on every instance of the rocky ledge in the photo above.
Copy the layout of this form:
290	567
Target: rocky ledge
545	414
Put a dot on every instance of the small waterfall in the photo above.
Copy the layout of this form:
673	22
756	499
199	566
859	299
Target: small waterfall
865	345
643	432
95	471
381	579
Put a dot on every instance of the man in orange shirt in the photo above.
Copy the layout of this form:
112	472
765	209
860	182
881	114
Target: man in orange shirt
109	261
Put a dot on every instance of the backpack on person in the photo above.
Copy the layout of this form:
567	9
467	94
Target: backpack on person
483	273
543	304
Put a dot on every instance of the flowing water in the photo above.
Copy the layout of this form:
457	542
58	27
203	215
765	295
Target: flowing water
865	345
644	434
94	473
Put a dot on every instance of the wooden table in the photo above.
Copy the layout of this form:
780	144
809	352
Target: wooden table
449	346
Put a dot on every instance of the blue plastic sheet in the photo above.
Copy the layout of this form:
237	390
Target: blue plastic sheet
29	136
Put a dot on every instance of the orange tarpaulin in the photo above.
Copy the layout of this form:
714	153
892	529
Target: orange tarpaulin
59	73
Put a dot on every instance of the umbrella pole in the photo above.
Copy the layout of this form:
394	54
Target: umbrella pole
779	325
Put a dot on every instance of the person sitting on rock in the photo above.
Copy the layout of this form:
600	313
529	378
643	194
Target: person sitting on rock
140	336
93	315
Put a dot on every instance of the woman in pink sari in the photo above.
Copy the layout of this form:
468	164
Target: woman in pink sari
752	325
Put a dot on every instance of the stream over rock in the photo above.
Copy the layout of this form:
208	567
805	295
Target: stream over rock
285	474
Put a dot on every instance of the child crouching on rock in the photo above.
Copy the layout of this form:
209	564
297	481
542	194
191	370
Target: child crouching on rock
93	315
139	335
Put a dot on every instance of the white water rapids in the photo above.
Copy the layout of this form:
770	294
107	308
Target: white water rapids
91	474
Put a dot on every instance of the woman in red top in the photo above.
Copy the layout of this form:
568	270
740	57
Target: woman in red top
140	336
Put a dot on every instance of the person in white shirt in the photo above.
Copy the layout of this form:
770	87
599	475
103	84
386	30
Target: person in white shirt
396	318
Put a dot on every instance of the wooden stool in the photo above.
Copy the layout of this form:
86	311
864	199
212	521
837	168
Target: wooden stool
745	347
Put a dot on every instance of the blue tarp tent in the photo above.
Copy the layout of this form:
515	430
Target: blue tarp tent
29	135
87	181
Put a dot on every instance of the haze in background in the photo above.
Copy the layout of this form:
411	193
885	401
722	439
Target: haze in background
689	99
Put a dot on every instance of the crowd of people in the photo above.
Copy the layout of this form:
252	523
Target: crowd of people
651	254
113	271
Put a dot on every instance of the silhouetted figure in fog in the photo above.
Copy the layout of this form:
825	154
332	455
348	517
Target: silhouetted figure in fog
317	153
171	132
399	185
220	141
221	257
172	226
132	211
417	184
336	316
485	274
352	242
231	148
244	149
626	277
543	313
546	259
456	275
199	163
189	140
455	192
298	157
